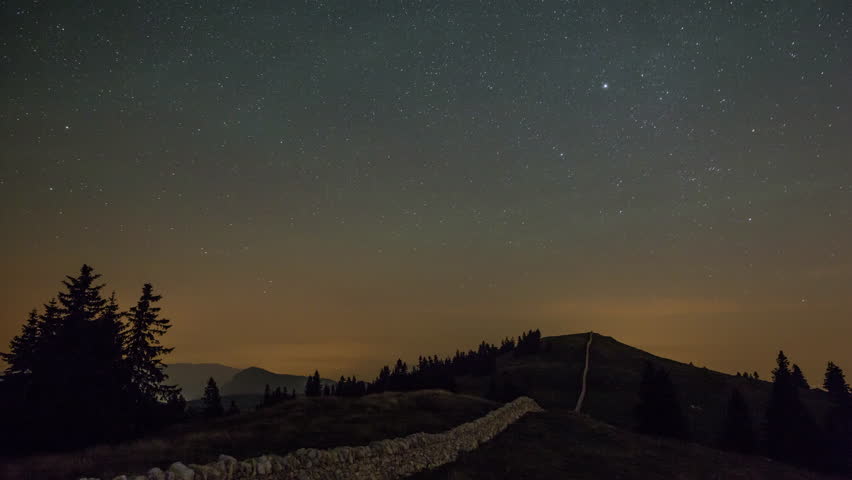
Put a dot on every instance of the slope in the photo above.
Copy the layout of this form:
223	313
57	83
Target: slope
562	444
553	376
323	422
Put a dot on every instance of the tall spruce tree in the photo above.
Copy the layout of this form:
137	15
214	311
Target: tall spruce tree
22	348
144	351
313	386
738	435
81	383
837	455
791	433
317	384
212	400
835	383
309	386
69	372
798	378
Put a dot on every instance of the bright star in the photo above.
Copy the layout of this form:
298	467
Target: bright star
605	85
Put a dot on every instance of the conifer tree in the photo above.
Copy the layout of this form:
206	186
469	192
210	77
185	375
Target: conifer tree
22	348
835	383
326	391
317	384
313	387
143	349
798	378
114	390
791	433
266	395
69	371
738	435
82	379
309	386
211	400
233	409
838	422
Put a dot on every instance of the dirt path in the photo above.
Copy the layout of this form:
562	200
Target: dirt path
585	374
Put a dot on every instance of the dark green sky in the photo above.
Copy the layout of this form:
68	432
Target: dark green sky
337	184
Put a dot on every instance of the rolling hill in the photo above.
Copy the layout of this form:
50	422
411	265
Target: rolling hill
557	443
323	422
552	377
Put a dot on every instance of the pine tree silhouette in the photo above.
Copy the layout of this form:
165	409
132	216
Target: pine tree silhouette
80	380
211	400
835	383
738	435
791	433
143	349
313	386
70	370
837	457
317	384
798	378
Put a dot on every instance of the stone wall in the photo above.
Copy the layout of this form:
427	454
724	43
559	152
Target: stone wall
385	459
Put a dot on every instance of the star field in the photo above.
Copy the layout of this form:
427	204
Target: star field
336	184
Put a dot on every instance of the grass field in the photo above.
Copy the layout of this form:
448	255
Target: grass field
553	377
554	444
559	444
323	422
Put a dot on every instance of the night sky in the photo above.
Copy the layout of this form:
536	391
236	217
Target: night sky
337	184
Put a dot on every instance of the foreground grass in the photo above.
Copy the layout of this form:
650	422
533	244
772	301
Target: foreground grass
562	444
303	422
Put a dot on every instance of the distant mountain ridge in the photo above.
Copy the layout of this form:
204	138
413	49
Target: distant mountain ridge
253	380
192	378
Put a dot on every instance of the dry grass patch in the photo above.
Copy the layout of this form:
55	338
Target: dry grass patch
303	422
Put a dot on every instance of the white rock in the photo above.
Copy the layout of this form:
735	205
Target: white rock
181	471
156	474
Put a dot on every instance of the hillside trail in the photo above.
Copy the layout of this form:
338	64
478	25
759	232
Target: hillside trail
585	374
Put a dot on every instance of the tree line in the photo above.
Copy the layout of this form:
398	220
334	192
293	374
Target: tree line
435	372
84	371
790	432
429	372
